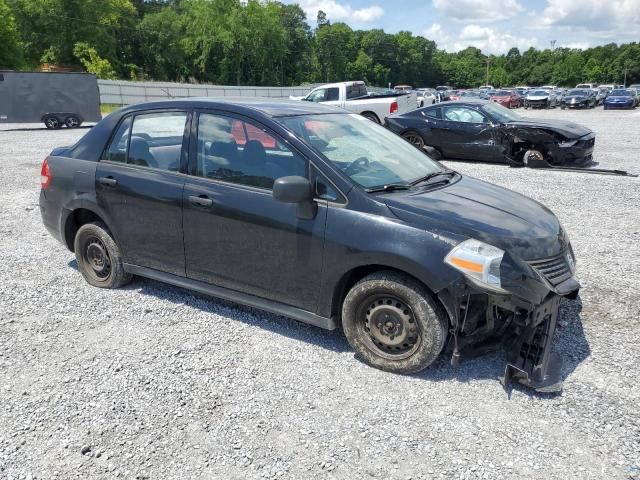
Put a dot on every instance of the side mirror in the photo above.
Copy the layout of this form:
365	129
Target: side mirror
297	190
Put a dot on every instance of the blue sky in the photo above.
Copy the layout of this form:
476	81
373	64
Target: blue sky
494	26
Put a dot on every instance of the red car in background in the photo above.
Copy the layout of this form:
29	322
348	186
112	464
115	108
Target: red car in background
506	98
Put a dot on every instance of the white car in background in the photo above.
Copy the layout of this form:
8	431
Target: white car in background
425	97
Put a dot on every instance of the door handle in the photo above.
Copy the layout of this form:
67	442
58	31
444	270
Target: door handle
108	181
200	201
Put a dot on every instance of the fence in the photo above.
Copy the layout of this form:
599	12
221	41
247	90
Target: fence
120	92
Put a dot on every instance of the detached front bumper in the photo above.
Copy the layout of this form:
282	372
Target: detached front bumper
531	360
522	320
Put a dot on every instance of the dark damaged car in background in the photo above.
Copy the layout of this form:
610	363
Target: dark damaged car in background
320	215
478	130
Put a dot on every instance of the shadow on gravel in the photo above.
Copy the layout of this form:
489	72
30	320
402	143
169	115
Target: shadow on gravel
570	342
331	340
587	166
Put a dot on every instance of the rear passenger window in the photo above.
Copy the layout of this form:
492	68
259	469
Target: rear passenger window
156	140
241	152
117	150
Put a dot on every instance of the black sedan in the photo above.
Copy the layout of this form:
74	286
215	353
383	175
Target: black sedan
484	131
579	98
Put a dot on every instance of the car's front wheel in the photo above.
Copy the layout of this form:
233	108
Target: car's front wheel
99	258
393	323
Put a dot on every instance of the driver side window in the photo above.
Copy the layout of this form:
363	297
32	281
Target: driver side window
463	114
317	96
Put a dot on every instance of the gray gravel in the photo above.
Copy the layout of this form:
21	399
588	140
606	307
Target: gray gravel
156	382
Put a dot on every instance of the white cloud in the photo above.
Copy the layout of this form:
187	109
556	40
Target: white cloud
341	12
618	19
478	10
489	40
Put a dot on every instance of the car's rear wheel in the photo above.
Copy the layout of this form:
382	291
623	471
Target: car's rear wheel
393	323
414	139
371	116
99	258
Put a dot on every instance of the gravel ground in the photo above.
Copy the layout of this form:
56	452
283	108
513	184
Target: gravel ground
152	381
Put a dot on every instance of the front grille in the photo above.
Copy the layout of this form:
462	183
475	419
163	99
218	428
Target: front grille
554	269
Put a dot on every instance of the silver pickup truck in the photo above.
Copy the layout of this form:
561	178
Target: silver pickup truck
353	96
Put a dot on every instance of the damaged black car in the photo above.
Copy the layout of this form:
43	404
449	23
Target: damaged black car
320	215
483	131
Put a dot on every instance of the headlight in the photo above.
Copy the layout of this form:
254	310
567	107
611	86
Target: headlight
479	261
567	143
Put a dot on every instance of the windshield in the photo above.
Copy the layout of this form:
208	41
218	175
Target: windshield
619	93
500	113
577	92
369	154
539	93
499	93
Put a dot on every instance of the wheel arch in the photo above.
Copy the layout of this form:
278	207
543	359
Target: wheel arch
76	218
357	273
369	112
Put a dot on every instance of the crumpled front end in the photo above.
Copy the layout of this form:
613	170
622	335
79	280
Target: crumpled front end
521	320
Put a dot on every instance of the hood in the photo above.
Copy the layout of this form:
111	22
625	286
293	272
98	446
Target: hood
566	129
575	97
619	98
476	209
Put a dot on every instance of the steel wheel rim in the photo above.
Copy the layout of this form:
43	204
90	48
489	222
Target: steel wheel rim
96	257
388	327
52	122
72	122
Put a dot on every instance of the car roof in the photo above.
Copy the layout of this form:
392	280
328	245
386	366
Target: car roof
272	107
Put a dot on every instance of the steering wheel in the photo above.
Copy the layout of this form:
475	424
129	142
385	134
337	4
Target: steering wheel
358	164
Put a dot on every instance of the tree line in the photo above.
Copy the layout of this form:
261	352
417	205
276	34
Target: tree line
248	42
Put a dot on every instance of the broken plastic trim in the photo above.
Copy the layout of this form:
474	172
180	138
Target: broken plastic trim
530	357
544	165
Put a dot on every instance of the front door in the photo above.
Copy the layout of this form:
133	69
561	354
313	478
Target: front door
139	184
235	234
466	134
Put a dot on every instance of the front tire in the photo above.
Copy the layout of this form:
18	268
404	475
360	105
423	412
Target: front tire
393	323
99	258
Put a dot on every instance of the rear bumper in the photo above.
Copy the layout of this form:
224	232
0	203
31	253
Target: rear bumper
50	217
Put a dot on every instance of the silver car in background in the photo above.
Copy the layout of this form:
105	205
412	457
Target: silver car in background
541	98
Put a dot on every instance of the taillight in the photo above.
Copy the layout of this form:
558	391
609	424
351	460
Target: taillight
394	107
45	174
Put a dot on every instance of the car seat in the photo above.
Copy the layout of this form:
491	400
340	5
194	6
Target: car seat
139	153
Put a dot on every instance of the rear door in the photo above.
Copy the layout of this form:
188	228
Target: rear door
236	235
466	134
139	183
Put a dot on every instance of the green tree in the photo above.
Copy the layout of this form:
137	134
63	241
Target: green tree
92	62
10	47
162	56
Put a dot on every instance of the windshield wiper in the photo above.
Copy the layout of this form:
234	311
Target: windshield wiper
390	187
426	178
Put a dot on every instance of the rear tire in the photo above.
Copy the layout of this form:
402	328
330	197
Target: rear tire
414	139
371	116
99	258
393	323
